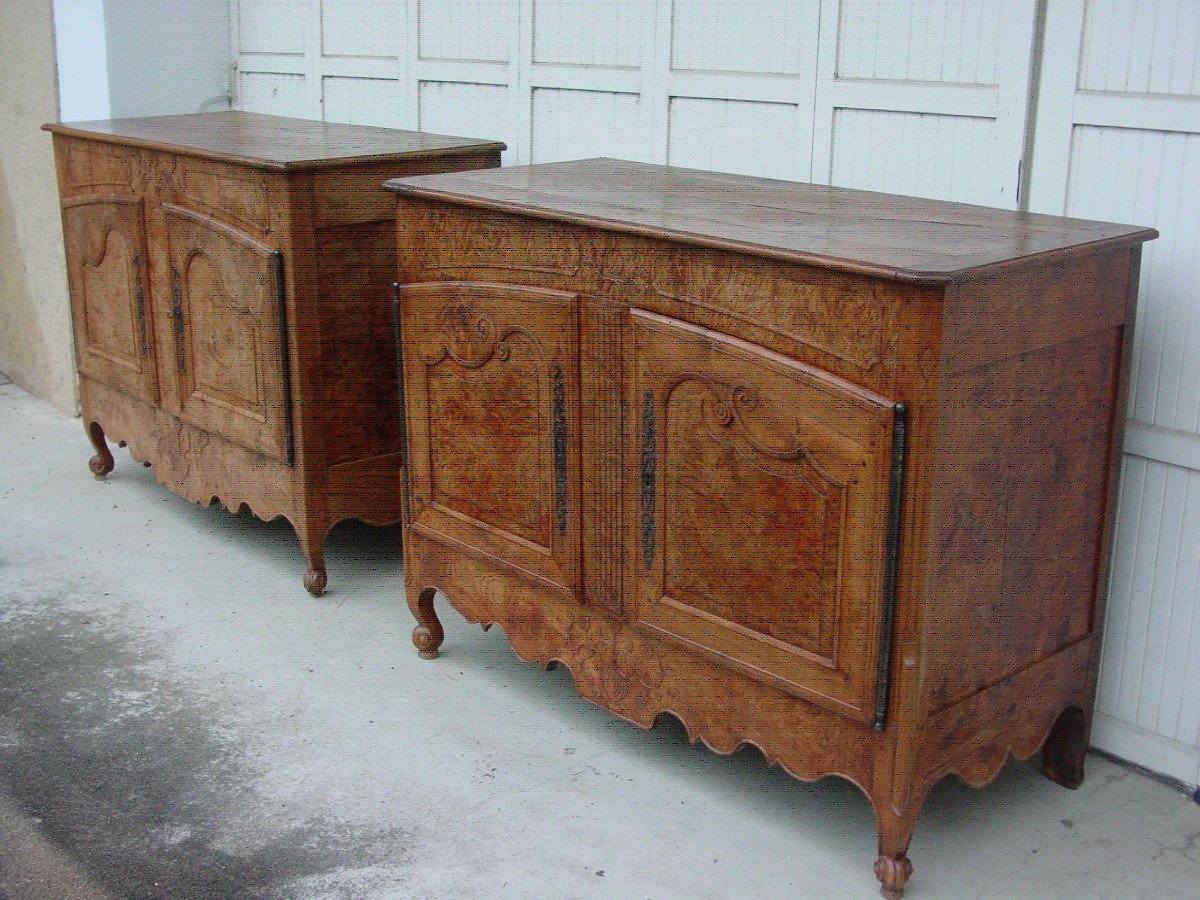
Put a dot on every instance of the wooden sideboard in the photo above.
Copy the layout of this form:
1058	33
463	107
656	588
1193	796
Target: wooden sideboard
823	471
230	287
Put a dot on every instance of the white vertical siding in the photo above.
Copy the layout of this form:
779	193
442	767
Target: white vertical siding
944	157
953	41
448	107
361	101
585	33
365	28
926	97
464	29
269	26
1141	46
734	36
699	131
274	93
575	124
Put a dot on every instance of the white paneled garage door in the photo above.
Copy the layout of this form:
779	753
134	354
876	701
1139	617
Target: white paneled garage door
1089	109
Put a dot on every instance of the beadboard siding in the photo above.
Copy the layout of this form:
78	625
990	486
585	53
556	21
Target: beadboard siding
361	101
700	128
882	150
926	97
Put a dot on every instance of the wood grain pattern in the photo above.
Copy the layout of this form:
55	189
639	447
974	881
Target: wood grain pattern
742	347
901	238
230	280
276	143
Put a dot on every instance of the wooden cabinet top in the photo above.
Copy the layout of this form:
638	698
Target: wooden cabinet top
885	235
272	142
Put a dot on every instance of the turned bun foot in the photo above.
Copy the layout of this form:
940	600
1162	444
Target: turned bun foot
426	642
315	581
428	635
102	463
100	466
893	873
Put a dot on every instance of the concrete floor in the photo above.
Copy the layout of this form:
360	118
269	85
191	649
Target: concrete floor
179	719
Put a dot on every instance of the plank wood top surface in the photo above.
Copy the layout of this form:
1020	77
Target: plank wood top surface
272	142
888	235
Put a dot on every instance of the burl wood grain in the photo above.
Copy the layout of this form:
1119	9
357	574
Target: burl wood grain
231	291
741	349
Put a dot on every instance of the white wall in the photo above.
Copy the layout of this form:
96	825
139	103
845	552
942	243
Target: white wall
954	99
167	56
82	59
121	58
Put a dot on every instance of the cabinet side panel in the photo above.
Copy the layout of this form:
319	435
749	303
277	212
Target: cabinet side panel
358	388
1019	484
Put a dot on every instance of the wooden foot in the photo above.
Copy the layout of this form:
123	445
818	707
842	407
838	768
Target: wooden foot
312	541
428	635
893	868
102	463
1063	753
315	581
893	873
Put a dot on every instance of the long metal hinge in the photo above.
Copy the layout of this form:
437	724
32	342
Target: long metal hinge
890	562
285	360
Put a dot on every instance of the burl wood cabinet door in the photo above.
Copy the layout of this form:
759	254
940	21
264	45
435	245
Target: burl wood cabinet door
491	382
106	263
228	318
761	511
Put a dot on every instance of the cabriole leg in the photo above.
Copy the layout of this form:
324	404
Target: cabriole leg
428	635
102	463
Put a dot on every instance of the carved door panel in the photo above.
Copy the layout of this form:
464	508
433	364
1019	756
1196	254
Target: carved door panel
106	263
762	512
491	385
228	313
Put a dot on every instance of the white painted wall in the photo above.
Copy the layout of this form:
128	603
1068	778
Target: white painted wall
167	56
82	58
121	58
954	99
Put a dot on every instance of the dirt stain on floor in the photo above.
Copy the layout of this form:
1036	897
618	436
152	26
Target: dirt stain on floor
140	779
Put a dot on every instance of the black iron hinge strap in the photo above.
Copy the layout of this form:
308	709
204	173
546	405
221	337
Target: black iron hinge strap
891	562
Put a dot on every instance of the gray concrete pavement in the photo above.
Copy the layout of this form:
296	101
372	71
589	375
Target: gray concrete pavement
179	719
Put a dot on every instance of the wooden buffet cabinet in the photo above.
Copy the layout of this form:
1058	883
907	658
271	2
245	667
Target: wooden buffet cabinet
230	280
823	471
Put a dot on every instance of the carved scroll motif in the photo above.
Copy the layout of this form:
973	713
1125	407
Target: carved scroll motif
472	339
725	407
